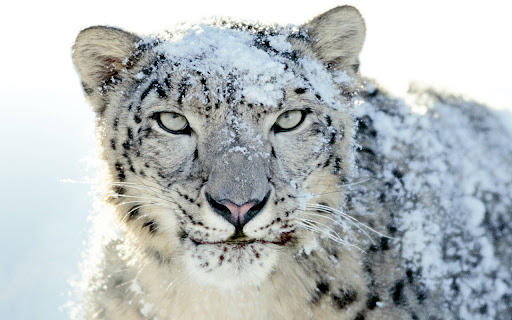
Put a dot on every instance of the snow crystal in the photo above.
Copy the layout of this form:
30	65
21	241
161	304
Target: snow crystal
146	308
310	246
475	211
135	287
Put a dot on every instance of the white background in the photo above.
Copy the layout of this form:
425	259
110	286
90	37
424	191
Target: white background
46	126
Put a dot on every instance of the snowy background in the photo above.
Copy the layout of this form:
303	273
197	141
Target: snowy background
46	126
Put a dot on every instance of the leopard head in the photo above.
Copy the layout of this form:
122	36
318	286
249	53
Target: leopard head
219	138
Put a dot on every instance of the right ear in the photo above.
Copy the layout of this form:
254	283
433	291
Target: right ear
338	37
100	54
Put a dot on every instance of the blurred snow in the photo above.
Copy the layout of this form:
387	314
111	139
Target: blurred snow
45	124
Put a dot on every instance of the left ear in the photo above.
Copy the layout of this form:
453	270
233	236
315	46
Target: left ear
100	54
338	37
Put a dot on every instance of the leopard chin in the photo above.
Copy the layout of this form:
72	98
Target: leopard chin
236	264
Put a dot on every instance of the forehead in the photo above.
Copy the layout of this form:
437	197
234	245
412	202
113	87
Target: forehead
244	63
228	64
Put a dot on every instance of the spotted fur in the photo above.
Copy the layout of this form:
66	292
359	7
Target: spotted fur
300	253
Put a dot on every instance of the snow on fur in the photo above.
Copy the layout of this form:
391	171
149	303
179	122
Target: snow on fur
260	76
450	171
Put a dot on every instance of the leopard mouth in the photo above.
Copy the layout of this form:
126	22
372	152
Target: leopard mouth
239	239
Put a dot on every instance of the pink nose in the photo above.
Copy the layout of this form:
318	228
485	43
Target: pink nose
238	213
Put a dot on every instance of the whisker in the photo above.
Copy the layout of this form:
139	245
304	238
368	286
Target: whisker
341	185
355	223
142	188
311	227
343	214
326	217
130	202
136	208
324	225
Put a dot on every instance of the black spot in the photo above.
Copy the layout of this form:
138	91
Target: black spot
328	120
321	289
129	133
359	316
384	243
291	55
421	294
333	138
151	225
127	145
328	161
183	89
392	228
365	126
345	298
454	285
113	144
366	150
410	275
120	171
88	90
373	248
229	90
273	152
397	292
397	173
146	71
137	119
300	90
116	123
119	189
337	164
153	85
118	282
318	97
167	82
133	212
371	303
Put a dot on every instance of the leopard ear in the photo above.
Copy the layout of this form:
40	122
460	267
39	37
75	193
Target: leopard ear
100	54
338	37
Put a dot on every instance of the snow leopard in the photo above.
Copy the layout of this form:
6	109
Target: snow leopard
251	172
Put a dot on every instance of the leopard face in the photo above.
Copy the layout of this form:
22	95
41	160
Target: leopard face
218	138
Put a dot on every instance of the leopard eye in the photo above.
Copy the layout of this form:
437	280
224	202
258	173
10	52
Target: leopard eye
289	120
172	122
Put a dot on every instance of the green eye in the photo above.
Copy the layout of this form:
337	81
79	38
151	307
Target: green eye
289	120
173	122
